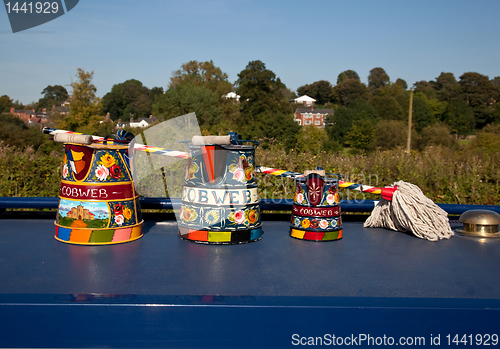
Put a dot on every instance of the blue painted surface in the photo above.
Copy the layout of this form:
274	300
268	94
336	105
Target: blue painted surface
161	291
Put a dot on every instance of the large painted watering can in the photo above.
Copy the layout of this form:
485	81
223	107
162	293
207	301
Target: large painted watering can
316	208
98	204
220	203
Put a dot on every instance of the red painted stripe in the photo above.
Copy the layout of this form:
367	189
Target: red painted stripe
209	159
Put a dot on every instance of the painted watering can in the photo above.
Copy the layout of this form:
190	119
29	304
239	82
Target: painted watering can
98	204
220	203
316	208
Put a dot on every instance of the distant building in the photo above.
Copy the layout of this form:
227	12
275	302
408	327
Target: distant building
79	212
232	95
305	100
141	122
30	116
311	116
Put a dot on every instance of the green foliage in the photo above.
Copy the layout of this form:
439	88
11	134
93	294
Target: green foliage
319	90
265	113
387	107
14	132
52	95
361	137
459	116
391	134
346	75
129	99
24	172
187	98
422	114
85	106
437	135
311	138
349	91
5	104
488	139
378	78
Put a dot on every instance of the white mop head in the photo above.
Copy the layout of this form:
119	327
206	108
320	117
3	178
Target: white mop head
411	211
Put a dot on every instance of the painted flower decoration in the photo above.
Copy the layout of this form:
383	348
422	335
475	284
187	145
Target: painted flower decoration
101	172
333	223
297	222
118	209
119	219
189	214
239	217
305	223
127	213
249	173
330	198
239	175
337	197
65	171
300	197
115	171
323	224
314	224
252	216
332	189
191	170
212	216
108	160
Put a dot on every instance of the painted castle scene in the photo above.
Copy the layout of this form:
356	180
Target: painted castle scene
81	214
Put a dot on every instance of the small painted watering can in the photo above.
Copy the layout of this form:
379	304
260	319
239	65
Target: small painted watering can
98	204
220	203
316	208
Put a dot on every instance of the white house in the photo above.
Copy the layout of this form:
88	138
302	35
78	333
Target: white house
305	100
233	96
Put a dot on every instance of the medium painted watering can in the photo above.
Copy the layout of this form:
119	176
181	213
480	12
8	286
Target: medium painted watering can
220	202
98	204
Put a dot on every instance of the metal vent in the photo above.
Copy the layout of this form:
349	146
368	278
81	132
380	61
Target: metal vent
482	223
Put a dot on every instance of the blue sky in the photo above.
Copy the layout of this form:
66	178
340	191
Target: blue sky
300	41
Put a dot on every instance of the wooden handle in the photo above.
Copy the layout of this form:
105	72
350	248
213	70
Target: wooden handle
72	138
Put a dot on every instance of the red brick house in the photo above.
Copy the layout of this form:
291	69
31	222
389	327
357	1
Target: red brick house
311	116
30	116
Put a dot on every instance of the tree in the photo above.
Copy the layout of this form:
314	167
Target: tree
5	104
128	99
387	107
378	78
311	138
319	90
85	105
348	91
422	113
188	98
481	95
361	136
265	113
391	134
437	135
402	84
459	116
446	87
52	95
202	74
346	75
426	88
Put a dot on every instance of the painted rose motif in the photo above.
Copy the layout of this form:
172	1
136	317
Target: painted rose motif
239	175
249	173
115	171
101	172
323	224
118	209
65	171
330	199
305	223
108	160
127	213
119	219
192	168
239	217
332	189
